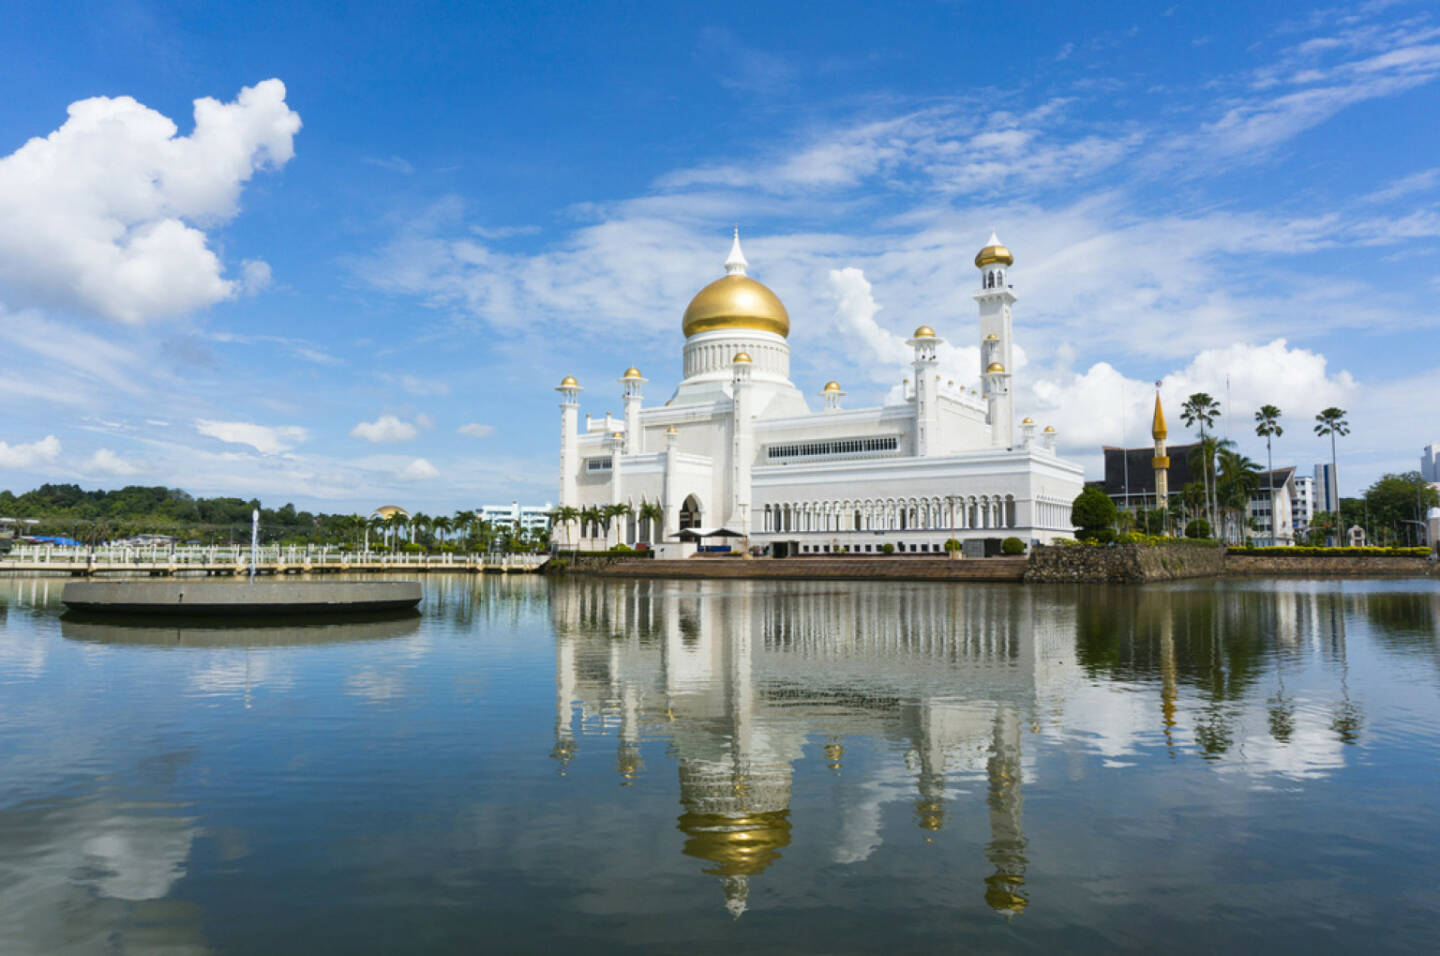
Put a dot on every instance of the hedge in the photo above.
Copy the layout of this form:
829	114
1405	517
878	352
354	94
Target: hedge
1343	552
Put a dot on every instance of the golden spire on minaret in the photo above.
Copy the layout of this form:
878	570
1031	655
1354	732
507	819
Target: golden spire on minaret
1161	461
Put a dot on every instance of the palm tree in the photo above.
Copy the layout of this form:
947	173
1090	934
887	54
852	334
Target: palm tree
394	521
442	526
652	512
1331	421
565	515
610	513
1238	479
589	517
1201	410
1267	426
376	524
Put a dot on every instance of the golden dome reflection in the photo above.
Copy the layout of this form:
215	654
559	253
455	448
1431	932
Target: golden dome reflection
737	846
736	302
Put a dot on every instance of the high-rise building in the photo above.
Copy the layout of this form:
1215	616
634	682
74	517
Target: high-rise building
1304	504
1430	463
1327	491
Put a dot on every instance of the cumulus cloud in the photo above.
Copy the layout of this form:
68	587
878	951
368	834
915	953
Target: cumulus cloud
418	470
42	452
106	213
266	439
106	462
476	430
386	428
254	276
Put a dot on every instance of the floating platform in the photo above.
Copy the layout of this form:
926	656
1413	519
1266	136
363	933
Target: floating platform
212	631
236	599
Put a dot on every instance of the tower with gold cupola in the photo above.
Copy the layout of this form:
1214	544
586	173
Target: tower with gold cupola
1161	461
997	360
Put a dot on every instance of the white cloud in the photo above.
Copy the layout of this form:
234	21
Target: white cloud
106	462
103	214
476	430
266	439
254	276
394	164
42	452
417	384
386	428
418	470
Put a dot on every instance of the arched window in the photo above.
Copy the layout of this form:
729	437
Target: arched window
690	513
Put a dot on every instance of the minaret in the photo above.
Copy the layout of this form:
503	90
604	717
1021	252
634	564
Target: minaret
671	504
832	395
569	390
1161	461
742	442
617	451
634	436
927	411
996	347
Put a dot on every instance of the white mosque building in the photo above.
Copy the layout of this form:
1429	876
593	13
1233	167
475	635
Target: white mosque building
738	448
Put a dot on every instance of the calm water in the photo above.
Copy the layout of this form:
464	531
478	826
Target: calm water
732	766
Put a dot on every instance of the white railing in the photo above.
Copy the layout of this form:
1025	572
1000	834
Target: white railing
268	558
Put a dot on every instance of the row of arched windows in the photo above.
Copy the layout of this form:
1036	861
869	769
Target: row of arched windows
708	358
995	279
950	513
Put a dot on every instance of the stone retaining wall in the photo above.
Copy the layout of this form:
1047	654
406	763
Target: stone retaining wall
1347	566
1124	564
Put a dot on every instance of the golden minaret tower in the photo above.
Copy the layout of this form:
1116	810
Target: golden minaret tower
1161	461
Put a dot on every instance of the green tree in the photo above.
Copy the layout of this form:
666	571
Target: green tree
1093	513
1331	421
1267	426
1237	479
652	512
565	515
1200	411
1397	505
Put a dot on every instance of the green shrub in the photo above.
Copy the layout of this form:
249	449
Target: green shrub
1092	510
1096	535
1199	528
622	549
952	545
410	547
887	548
1012	546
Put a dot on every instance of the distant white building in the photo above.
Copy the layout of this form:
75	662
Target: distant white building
1302	507
1272	514
1430	464
517	516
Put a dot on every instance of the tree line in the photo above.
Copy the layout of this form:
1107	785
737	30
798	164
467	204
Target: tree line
97	516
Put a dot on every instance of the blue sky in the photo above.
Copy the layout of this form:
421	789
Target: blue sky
355	269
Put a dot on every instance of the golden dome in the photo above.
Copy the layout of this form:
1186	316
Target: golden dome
385	511
924	332
632	372
742	357
737	846
672	430
735	302
832	386
995	367
994	251
617	435
568	382
1049	429
1028	421
992	337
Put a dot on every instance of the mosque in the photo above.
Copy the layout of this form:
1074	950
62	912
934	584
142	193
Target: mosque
737	448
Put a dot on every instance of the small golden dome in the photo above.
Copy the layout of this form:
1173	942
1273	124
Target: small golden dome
832	386
994	251
617	435
632	372
950	382
742	357
1049	429
924	332
672	430
385	511
735	302
992	337
568	382
1028	421
995	367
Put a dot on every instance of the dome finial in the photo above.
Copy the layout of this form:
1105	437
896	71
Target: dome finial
735	264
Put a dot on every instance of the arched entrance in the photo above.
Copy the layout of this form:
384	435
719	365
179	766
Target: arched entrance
690	513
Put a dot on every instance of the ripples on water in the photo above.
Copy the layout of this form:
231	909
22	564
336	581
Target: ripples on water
703	766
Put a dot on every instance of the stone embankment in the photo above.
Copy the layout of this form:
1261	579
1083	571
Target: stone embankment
836	569
1124	564
1344	566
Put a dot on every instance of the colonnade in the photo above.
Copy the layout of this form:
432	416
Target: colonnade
945	513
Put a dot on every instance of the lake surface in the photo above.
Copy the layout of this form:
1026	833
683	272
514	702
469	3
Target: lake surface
543	765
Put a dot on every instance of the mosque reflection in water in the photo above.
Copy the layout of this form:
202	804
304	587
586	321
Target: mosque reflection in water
738	681
740	677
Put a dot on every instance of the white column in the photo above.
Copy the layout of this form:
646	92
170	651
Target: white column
742	445
633	399
671	505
